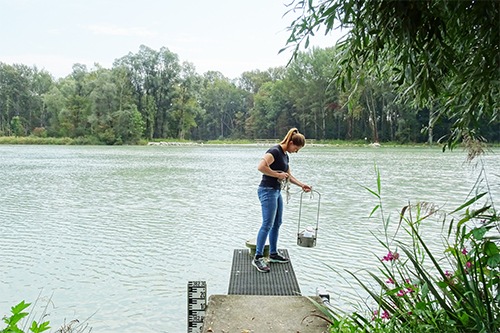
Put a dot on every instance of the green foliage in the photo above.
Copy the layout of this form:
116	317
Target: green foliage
424	291
16	317
16	126
431	51
268	107
186	108
20	319
40	132
223	103
150	94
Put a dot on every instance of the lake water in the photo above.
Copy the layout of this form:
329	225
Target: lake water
116	233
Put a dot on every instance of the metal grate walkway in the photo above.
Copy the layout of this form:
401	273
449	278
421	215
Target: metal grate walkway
246	280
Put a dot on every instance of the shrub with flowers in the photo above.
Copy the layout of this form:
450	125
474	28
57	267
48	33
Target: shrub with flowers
421	291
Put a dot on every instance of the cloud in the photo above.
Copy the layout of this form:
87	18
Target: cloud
120	31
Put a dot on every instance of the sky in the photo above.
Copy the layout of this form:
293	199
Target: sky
229	36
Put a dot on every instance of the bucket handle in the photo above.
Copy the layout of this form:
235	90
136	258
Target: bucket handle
317	214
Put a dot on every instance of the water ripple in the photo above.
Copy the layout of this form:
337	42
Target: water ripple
115	233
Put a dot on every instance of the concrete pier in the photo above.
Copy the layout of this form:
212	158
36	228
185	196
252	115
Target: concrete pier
262	314
262	302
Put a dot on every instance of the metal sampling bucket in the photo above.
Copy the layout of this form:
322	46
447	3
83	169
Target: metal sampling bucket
308	236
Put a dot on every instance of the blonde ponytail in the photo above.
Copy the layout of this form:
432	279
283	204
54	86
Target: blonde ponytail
294	136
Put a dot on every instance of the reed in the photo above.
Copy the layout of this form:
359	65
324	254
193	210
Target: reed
454	289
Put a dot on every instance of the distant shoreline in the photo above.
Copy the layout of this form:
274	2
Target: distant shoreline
31	140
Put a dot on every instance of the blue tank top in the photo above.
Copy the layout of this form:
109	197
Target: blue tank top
280	163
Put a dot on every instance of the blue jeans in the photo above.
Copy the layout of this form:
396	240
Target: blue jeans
272	217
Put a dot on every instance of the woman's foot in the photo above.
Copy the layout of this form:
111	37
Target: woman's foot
275	257
261	265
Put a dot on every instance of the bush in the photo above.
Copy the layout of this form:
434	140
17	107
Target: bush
39	132
17	315
421	291
20	318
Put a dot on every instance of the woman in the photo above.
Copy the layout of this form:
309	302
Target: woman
275	170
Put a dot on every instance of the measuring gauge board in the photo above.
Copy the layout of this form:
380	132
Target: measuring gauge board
197	302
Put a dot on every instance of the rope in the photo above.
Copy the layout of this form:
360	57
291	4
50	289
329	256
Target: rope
285	187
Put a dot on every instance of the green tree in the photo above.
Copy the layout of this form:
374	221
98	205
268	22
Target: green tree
251	81
311	90
41	83
155	74
186	105
54	102
104	102
270	116
128	125
16	97
76	88
446	51
17	127
131	69
223	103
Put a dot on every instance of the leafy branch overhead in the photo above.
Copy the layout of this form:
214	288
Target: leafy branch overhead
434	52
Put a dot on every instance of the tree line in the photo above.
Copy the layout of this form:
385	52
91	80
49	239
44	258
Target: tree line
152	95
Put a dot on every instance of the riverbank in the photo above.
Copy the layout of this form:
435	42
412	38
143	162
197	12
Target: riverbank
33	140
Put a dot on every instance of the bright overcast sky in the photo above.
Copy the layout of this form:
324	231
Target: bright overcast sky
230	36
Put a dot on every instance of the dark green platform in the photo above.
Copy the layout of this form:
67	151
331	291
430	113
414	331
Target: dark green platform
246	280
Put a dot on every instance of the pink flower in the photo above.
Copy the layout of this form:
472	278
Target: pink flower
468	265
449	277
391	256
390	281
464	251
403	292
385	315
